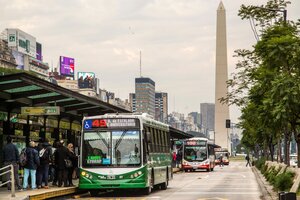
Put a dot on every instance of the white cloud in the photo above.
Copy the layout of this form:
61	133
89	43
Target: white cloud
177	40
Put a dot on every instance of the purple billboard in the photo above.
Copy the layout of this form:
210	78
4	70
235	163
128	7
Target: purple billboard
66	66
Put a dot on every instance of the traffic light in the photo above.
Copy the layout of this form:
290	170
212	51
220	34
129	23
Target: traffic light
227	123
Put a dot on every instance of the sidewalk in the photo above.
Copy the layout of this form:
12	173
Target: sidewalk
266	189
38	194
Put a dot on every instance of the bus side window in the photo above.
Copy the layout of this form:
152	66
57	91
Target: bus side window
155	140
166	142
163	141
153	143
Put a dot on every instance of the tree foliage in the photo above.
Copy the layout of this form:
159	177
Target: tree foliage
267	82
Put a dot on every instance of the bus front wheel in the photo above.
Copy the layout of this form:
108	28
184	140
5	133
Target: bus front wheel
148	190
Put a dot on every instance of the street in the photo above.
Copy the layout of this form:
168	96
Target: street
233	182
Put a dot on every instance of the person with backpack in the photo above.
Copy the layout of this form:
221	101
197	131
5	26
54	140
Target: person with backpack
11	156
45	153
31	165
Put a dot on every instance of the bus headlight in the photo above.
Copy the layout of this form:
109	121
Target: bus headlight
139	173
83	173
136	175
131	176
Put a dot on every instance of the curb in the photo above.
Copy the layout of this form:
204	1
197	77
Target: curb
265	187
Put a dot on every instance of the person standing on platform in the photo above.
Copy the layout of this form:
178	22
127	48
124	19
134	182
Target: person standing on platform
31	165
61	154
73	158
43	173
11	156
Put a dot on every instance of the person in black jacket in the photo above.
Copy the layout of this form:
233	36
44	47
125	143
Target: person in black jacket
11	156
33	162
73	158
43	173
61	154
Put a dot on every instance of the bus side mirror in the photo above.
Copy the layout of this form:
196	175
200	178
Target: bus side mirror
148	137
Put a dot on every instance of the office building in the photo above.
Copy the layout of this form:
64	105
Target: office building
145	95
207	117
161	106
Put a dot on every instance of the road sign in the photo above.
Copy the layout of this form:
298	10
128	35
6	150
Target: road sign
47	110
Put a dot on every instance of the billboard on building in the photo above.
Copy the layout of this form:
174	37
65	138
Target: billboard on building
39	55
12	37
19	57
23	42
66	66
86	80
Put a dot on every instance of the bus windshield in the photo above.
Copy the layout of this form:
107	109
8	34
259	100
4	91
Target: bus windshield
117	148
195	153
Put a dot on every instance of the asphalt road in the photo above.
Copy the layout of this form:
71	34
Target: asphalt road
234	182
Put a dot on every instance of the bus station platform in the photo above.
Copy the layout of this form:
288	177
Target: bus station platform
40	194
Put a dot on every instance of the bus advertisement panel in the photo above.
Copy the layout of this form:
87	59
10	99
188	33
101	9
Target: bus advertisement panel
198	153
124	151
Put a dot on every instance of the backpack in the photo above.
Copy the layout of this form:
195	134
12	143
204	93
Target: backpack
44	154
23	157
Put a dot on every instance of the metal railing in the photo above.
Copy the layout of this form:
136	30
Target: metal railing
12	178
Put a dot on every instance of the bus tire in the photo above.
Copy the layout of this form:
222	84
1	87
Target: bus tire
165	184
148	190
208	170
211	169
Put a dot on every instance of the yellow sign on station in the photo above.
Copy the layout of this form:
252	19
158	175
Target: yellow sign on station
46	110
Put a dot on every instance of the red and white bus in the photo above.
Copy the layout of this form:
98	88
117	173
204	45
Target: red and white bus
198	153
225	156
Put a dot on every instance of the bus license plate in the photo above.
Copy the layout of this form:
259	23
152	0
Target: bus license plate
195	167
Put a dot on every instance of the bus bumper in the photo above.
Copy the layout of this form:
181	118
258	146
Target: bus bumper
112	184
189	167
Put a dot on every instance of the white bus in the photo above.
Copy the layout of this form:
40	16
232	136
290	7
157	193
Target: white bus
198	153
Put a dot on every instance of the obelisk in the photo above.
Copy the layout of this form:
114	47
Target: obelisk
221	110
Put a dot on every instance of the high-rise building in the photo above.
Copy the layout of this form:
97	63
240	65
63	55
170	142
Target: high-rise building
161	106
221	110
145	95
196	117
207	117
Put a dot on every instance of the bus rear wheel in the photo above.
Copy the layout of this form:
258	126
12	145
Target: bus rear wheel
164	185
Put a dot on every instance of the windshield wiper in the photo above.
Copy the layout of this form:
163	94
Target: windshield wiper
121	138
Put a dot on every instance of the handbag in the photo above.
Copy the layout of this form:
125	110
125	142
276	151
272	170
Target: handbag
68	163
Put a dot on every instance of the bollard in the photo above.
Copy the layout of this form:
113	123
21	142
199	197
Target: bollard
287	196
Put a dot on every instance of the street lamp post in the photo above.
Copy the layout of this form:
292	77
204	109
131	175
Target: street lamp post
284	11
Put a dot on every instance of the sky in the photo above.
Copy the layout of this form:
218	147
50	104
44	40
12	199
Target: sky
177	40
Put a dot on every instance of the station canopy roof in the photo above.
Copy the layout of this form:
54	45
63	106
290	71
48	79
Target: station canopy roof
24	90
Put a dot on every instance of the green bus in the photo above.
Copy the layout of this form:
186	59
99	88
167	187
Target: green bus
123	151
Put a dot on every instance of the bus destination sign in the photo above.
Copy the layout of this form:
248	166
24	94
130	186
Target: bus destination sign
195	142
110	123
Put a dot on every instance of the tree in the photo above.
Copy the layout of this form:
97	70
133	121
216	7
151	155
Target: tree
267	84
